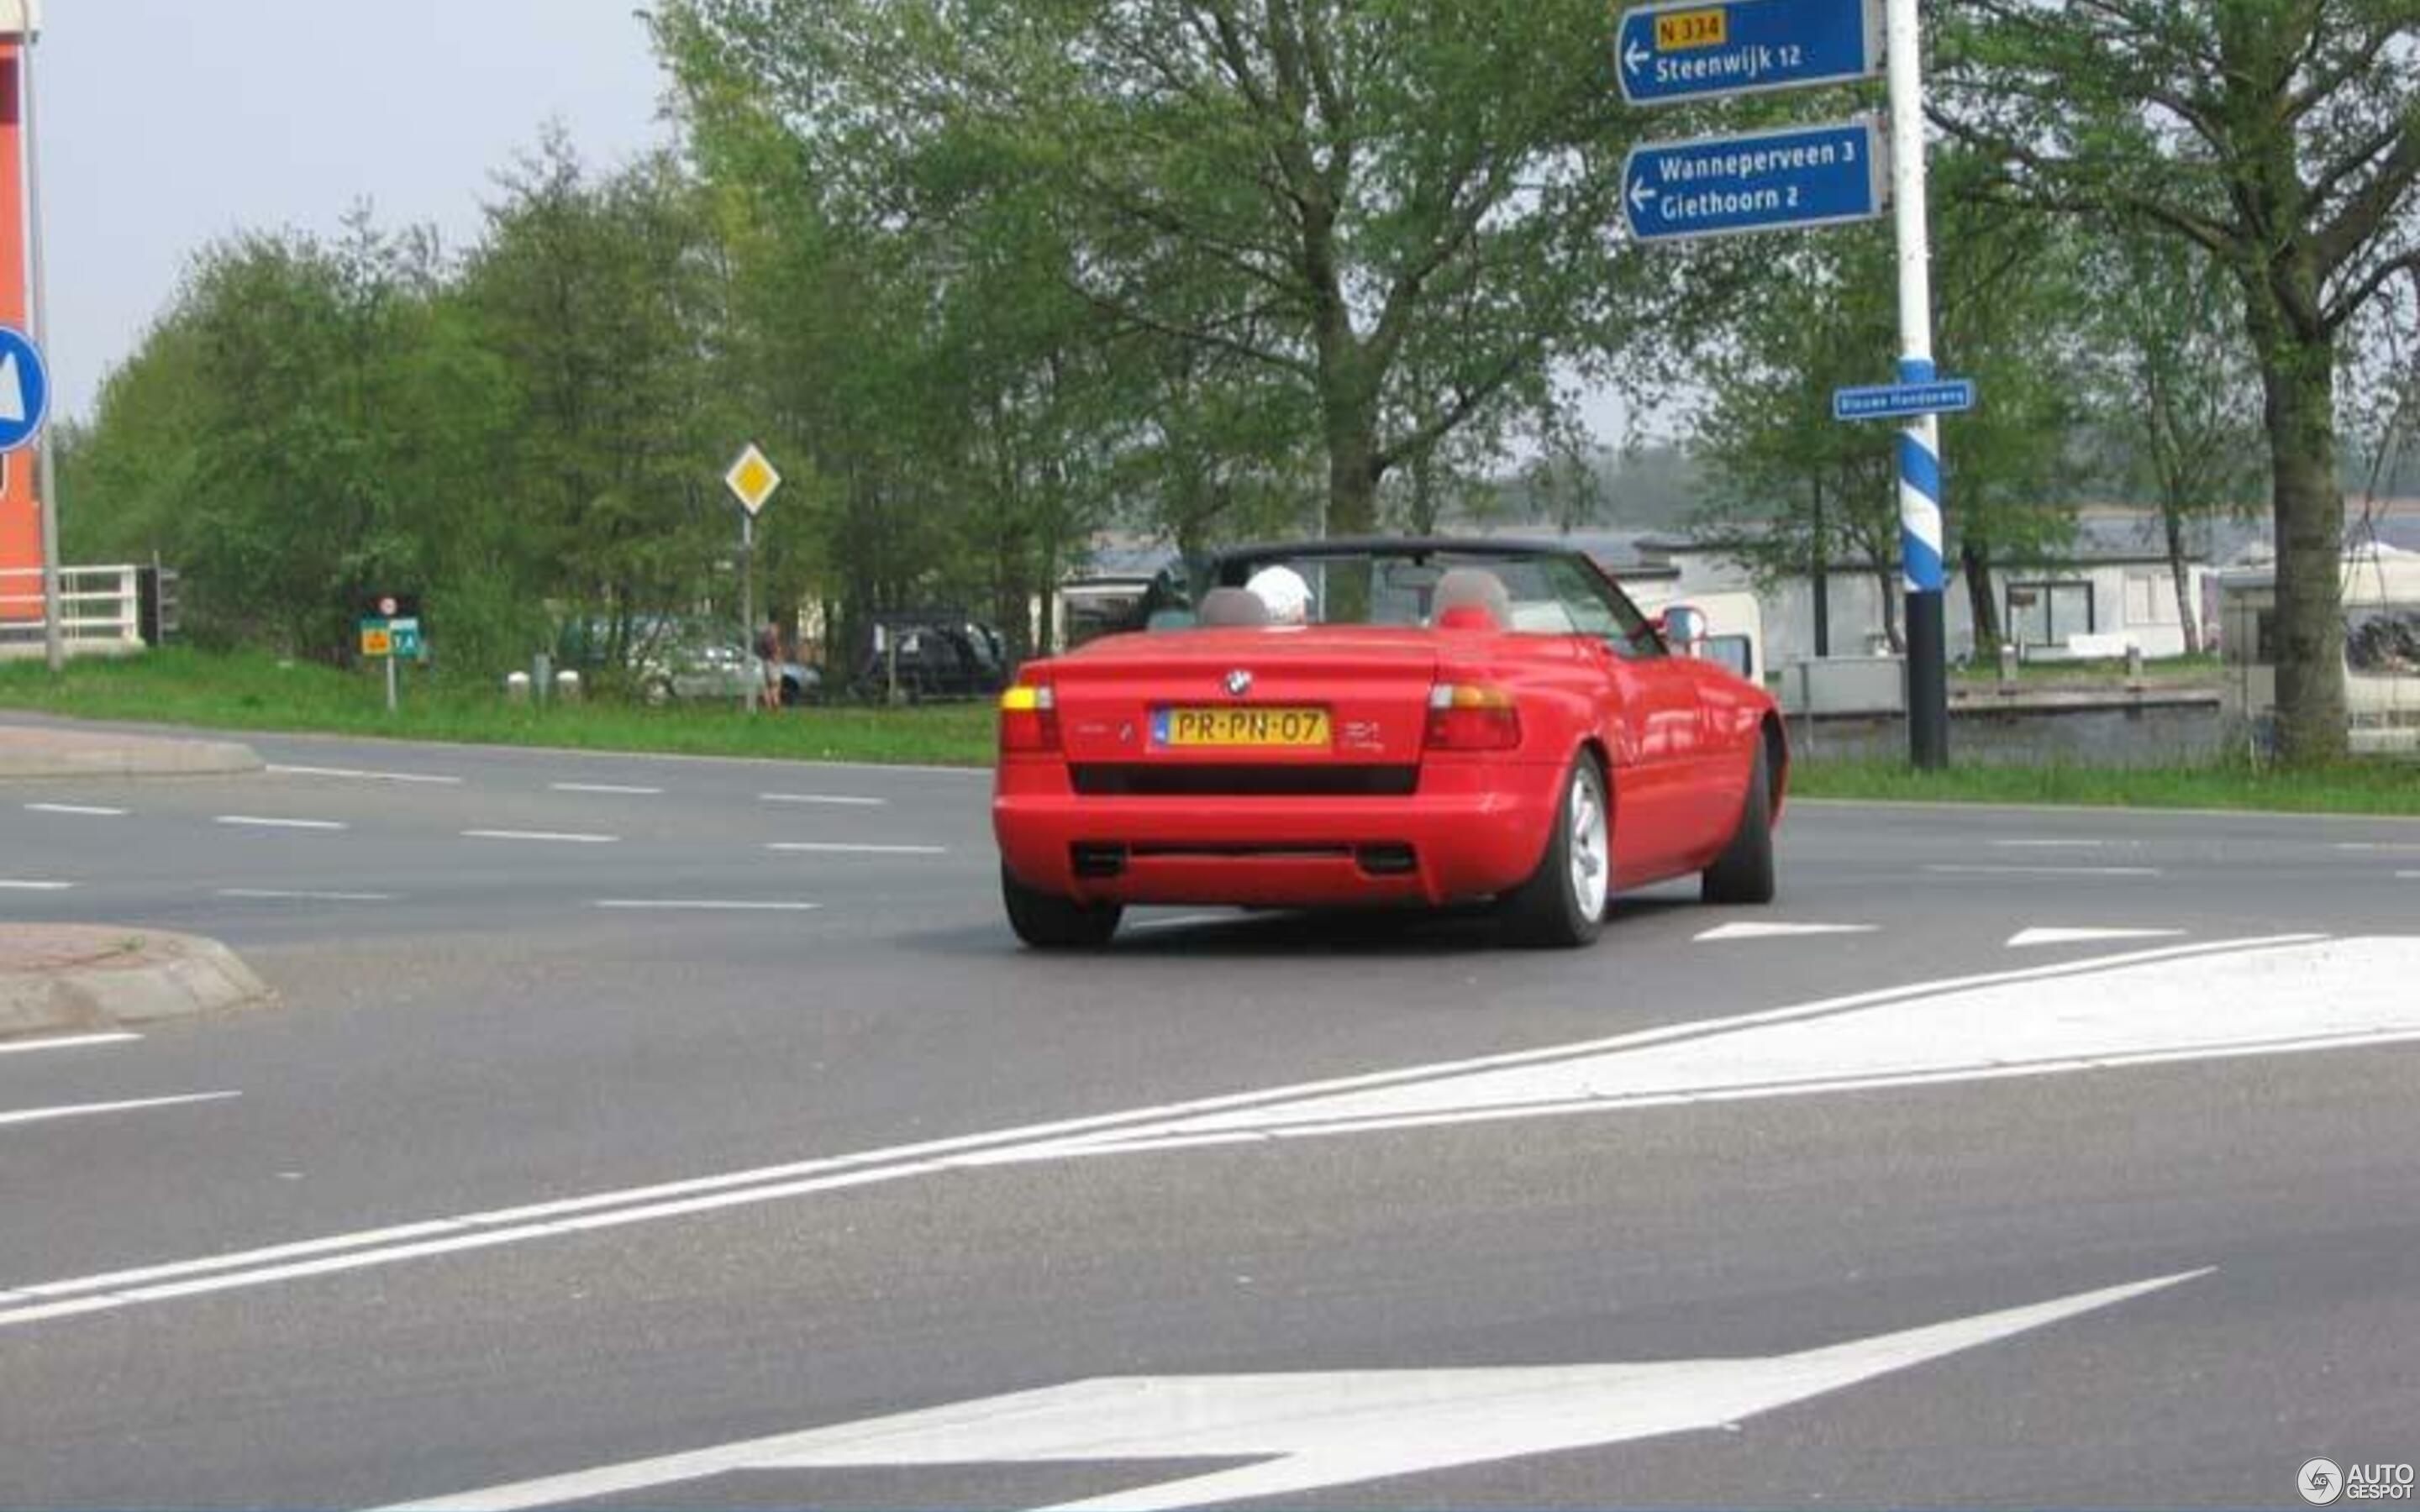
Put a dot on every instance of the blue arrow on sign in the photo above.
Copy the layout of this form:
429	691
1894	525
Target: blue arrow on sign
1900	401
24	388
1758	181
1693	50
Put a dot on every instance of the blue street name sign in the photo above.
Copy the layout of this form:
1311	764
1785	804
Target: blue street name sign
1692	49
1902	401
24	388
1757	181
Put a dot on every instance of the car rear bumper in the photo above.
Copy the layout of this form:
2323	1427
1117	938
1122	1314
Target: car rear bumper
1469	830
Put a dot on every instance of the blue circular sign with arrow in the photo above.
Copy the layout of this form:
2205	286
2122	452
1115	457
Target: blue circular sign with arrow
24	388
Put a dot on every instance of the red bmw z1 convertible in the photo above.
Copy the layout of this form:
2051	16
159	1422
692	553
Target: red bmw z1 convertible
1352	722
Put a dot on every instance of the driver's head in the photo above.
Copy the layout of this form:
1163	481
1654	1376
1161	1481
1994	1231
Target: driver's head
1284	592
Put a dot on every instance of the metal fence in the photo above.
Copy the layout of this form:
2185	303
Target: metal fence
100	609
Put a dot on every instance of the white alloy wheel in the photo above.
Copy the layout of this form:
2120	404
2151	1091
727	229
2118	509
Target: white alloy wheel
1590	855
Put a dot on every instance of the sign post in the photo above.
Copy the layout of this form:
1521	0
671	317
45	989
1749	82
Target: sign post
1799	177
390	631
752	480
1920	442
1694	50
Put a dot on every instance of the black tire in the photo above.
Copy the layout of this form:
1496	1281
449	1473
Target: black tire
1548	909
1046	921
1743	873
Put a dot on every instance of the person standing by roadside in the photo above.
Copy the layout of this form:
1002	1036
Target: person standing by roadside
770	655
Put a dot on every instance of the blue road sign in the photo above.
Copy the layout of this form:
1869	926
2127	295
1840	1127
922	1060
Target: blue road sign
1902	401
24	388
1757	181
1700	49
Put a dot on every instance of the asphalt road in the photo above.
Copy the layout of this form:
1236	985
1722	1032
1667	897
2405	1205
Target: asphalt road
624	1110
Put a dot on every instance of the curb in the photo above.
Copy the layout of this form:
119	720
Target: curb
38	752
95	976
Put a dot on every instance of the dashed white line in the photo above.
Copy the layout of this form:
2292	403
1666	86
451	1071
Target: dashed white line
94	810
550	835
708	905
1767	932
32	885
2027	938
360	776
2408	876
824	847
78	1110
284	894
840	799
2051	844
69	1042
2046	871
605	787
2399	846
248	821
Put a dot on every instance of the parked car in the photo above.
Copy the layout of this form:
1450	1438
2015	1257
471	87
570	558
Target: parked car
1442	722
939	654
698	662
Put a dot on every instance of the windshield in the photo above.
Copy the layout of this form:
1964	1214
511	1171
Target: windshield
1545	593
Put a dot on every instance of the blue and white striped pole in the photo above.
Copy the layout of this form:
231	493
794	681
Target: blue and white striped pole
1919	444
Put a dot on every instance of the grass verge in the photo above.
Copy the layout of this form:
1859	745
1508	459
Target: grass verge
251	692
2353	788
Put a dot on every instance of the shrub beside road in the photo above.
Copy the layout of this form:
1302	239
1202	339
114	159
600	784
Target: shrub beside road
244	691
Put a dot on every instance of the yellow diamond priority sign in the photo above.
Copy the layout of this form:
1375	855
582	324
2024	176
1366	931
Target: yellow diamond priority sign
752	479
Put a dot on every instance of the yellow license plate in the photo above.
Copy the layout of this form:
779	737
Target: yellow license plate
1292	727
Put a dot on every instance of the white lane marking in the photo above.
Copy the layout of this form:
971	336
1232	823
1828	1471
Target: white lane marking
2027	937
2408	876
841	800
281	894
361	775
2045	871
2396	846
232	1269
2051	844
550	835
604	787
94	810
2277	998
825	848
262	821
1773	931
77	1110
32	885
1310	1429
68	1041
708	905
1182	920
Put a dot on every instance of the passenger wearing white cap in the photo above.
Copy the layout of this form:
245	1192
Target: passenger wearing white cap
1284	592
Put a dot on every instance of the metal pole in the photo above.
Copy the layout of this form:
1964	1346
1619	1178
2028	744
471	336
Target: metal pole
391	703
1920	443
46	474
748	694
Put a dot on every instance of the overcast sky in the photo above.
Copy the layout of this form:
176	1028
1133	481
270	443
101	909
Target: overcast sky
168	123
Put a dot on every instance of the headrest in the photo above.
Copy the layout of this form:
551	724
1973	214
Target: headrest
1232	608
1471	598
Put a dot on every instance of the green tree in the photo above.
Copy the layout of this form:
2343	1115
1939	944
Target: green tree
2178	404
1397	208
2281	138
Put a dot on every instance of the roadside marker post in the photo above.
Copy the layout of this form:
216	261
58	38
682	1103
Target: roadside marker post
1919	441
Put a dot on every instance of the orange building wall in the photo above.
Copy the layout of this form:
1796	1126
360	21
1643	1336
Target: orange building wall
21	521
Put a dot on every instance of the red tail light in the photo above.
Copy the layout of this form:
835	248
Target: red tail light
1029	718
1463	717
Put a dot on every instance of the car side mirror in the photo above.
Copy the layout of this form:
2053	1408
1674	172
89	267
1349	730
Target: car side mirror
1684	625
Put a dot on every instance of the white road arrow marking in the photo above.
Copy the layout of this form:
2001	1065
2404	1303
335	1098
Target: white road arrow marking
1320	1429
1778	931
2025	937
